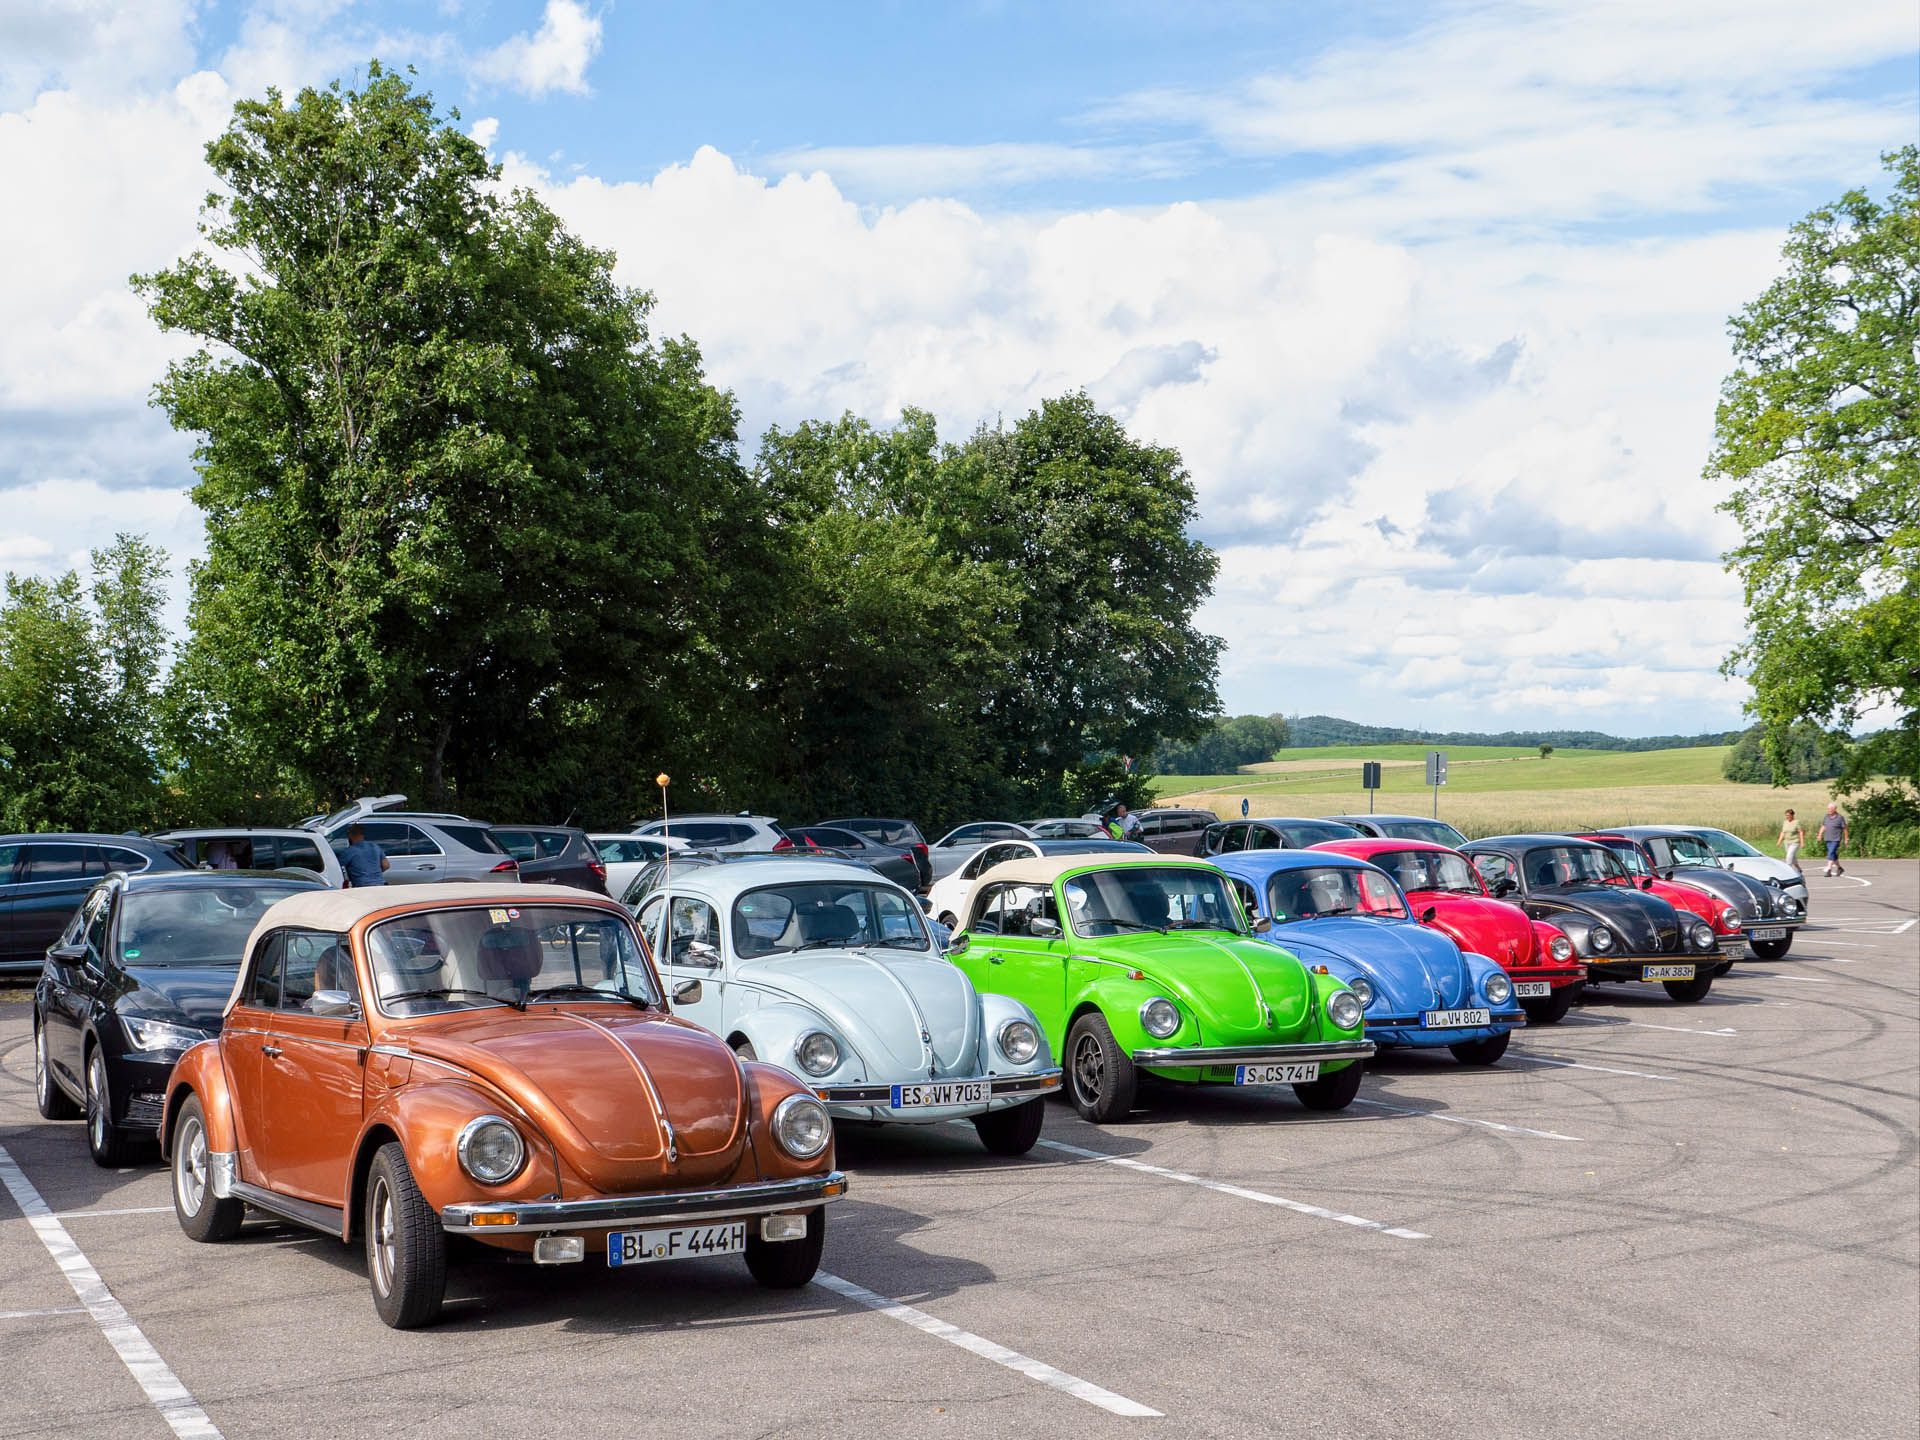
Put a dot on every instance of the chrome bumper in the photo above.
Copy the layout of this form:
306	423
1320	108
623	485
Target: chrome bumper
679	1207
1038	1083
1199	1056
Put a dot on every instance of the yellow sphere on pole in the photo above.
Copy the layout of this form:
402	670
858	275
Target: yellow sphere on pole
663	779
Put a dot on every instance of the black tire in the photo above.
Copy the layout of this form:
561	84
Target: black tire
54	1103
406	1248
1012	1131
950	920
1101	1078
201	1214
111	1147
1552	1008
1331	1092
787	1264
745	1051
1482	1052
1689	992
1770	949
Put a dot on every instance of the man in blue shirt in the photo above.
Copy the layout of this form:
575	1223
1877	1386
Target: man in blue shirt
363	860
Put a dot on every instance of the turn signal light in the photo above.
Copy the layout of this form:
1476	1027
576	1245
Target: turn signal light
1320	970
1136	974
485	1219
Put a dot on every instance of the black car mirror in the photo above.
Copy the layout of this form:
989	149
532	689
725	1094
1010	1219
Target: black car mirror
67	954
334	1004
1426	915
1504	887
688	992
1042	927
1647	884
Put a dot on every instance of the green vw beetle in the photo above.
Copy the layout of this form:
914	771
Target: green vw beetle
1148	963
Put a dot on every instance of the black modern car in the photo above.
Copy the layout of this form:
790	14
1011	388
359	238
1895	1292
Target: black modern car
1618	930
553	855
897	862
902	833
43	879
141	972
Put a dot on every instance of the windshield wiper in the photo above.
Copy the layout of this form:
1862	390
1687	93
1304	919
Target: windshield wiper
576	987
1332	910
438	993
1130	924
1199	925
824	942
896	942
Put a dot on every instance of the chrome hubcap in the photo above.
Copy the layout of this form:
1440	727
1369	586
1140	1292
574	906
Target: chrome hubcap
380	1235
190	1166
97	1101
1089	1068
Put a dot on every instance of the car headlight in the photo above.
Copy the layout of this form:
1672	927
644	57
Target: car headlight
1560	948
801	1126
1729	919
491	1150
1791	905
1499	988
1362	990
1343	1009
1019	1041
817	1052
1601	939
1159	1018
1702	935
160	1035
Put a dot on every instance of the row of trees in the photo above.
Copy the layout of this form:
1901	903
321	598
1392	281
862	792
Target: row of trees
1810	752
1223	746
476	533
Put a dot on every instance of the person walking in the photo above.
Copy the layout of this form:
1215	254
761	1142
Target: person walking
364	862
1793	835
1833	834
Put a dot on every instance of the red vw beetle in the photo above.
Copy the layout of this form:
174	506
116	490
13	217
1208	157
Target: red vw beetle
1446	892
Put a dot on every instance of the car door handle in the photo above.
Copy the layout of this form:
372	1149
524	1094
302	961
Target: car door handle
270	1050
996	959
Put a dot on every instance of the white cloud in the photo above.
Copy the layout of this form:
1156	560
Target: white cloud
94	46
554	57
945	169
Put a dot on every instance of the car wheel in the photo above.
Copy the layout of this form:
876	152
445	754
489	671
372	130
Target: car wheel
1689	992
1012	1131
950	920
202	1214
787	1264
745	1051
1552	1008
1331	1092
406	1248
1482	1052
1770	949
54	1102
1101	1079
109	1145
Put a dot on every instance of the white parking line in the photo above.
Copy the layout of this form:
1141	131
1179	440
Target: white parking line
1646	1025
1000	1355
96	1214
1126	1162
1467	1120
1774	975
1603	1069
163	1388
36	1314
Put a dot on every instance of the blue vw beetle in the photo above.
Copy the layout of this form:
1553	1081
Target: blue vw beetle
1417	986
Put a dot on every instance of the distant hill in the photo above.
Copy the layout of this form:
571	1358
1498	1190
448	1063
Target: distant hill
1309	730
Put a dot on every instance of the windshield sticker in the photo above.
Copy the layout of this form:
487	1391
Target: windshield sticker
513	914
498	917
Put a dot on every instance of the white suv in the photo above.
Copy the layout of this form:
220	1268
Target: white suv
720	832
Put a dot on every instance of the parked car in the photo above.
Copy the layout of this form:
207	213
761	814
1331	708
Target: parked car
1736	854
625	856
948	898
496	1062
895	862
829	971
1277	832
960	844
142	972
902	833
1146	965
1403	827
43	879
1766	916
554	855
719	832
1698	900
255	848
1446	892
1064	827
1173	832
422	846
1620	932
658	874
1416	986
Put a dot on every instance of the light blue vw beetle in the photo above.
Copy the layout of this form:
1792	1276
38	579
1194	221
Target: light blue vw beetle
825	968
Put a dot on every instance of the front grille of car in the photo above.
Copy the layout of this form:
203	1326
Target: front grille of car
145	1110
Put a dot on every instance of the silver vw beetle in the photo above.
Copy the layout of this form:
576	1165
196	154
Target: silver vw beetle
827	969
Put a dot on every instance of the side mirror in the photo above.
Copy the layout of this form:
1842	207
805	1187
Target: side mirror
1426	915
700	953
1261	925
957	942
67	954
1044	928
334	1004
1647	884
688	992
1504	887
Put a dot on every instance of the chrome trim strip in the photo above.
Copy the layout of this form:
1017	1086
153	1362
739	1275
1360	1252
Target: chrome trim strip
1204	1055
1037	1083
676	1207
223	1172
315	1216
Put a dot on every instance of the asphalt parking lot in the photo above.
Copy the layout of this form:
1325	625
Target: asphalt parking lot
1653	1219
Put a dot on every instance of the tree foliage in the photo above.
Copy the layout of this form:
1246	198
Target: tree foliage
1811	754
1226	745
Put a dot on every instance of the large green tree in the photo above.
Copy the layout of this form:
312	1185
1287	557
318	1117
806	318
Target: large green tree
468	522
1818	436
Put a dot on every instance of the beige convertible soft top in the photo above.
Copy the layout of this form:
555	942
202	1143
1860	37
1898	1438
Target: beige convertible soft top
1045	869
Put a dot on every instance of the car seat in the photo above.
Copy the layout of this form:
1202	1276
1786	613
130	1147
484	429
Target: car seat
509	957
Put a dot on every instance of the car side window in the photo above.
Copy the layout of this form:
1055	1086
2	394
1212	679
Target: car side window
694	924
314	960
551	844
1494	868
1009	907
1249	897
46	863
1263	837
263	989
1661	851
415	842
99	920
117	857
300	855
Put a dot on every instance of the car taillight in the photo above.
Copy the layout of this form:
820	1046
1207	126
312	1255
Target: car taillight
599	868
919	851
507	865
783	843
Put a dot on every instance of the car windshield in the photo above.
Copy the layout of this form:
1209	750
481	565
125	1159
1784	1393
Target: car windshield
1307	894
1564	865
1690	850
818	914
1731	846
1629	857
205	925
1429	870
476	955
1121	901
1438	831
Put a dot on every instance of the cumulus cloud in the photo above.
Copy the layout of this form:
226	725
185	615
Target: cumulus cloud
554	57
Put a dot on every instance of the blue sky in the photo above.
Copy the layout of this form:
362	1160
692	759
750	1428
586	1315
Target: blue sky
1431	298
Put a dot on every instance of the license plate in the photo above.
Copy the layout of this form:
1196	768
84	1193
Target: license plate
1767	932
1666	972
1453	1019
942	1092
643	1247
1297	1072
1532	989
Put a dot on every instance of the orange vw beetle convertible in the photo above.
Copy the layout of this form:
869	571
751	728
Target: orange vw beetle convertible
402	1065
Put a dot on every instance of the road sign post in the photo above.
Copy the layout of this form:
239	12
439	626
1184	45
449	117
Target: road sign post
1244	807
1436	776
1370	780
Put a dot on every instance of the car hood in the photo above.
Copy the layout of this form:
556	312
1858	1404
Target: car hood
1648	924
1225	981
1765	868
633	1098
181	994
1493	928
1411	966
1754	899
892	1006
